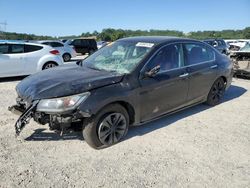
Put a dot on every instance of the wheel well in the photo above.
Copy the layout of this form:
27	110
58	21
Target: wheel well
48	63
67	53
128	107
224	79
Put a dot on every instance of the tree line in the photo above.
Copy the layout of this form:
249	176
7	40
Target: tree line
110	34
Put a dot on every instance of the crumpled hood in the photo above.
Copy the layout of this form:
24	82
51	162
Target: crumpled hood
64	81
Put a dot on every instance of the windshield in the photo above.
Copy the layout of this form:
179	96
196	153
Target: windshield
246	48
121	57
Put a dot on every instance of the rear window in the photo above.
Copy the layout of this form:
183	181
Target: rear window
56	44
32	48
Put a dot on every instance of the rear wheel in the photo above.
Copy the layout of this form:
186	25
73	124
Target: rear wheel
216	92
49	65
66	57
107	127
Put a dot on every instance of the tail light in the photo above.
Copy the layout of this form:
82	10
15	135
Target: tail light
55	52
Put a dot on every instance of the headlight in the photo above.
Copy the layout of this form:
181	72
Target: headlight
61	104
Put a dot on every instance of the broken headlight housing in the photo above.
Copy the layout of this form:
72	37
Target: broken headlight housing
61	104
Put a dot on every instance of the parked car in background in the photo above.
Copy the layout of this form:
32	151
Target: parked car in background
219	44
20	58
241	60
83	45
67	52
64	40
236	44
128	82
101	44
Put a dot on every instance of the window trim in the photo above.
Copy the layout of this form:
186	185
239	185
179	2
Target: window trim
157	51
41	47
183	53
207	47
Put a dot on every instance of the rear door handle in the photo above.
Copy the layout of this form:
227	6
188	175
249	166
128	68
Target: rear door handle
184	75
214	66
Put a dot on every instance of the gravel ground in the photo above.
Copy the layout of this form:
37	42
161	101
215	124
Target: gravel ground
198	147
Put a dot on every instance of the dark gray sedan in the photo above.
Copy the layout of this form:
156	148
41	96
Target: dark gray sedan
127	82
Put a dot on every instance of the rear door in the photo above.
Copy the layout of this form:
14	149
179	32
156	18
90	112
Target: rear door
32	55
202	69
168	89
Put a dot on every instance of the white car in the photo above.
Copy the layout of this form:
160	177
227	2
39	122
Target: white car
101	44
20	58
65	50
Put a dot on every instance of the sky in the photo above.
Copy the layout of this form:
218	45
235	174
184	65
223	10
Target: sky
64	17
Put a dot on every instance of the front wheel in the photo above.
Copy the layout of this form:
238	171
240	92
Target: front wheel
107	128
216	92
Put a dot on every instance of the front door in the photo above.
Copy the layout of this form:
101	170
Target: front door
167	89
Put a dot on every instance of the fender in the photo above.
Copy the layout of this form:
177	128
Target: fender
46	58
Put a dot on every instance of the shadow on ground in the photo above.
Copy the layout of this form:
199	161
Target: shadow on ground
44	135
12	79
232	93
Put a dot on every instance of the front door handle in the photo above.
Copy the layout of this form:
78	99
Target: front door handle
184	75
214	66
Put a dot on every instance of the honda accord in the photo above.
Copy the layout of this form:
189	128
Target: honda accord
128	82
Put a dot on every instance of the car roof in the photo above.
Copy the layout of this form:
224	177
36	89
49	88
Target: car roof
212	39
155	39
41	41
20	42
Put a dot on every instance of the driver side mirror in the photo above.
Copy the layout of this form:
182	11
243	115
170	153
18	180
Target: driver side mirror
151	73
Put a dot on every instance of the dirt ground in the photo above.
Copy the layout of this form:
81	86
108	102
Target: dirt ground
198	147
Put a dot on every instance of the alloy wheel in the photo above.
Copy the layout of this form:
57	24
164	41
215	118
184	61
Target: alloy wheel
218	90
112	128
49	65
66	57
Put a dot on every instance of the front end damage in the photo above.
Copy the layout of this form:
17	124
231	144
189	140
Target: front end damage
241	63
26	110
58	122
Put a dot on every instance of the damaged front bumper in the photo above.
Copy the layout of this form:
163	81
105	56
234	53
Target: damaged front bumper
26	115
57	121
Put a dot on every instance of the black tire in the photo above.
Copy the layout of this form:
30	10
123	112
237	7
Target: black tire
94	127
66	57
216	92
49	65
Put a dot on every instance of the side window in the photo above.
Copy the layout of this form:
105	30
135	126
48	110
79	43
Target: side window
32	48
77	42
85	43
47	43
197	53
169	57
56	44
220	43
4	48
17	48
